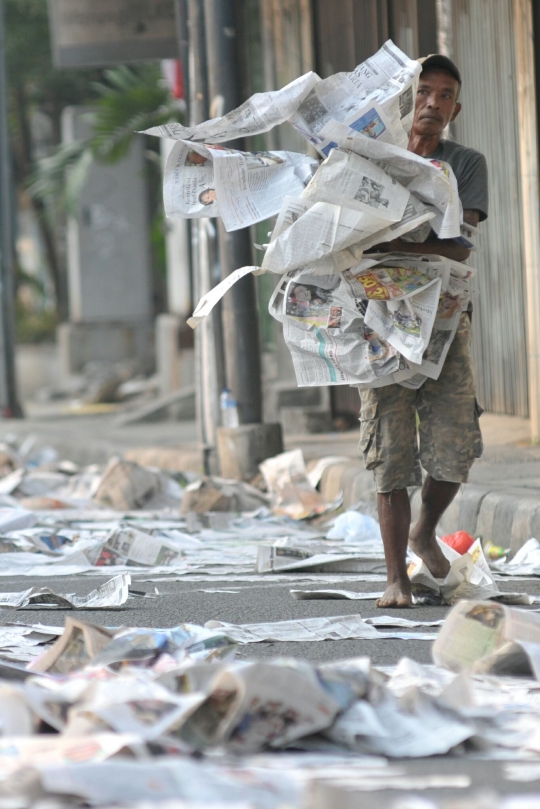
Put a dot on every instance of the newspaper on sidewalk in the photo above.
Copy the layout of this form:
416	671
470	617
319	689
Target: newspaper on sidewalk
125	485
525	562
19	752
416	725
261	704
129	546
292	557
291	492
490	638
347	595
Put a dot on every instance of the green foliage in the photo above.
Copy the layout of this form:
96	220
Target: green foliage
34	326
59	177
35	322
131	100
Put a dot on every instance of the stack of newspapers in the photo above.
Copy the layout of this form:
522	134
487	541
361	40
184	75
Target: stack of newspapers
350	317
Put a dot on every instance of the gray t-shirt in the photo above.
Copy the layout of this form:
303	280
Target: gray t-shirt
470	168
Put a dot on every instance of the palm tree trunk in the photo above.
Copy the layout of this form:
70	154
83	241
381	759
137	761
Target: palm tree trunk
23	159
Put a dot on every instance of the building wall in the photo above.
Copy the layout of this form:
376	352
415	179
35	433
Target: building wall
484	48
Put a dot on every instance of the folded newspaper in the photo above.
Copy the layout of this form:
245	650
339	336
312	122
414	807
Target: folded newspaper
469	577
490	639
347	320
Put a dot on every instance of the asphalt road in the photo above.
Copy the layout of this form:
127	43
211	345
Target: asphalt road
185	601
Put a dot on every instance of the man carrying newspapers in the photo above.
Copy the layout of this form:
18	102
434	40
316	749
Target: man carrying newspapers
394	323
448	432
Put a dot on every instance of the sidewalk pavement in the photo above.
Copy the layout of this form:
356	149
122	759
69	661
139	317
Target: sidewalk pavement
501	501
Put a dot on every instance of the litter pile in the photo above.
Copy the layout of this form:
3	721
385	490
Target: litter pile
124	716
114	715
348	317
108	716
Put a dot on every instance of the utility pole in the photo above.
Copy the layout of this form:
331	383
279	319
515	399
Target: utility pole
210	375
240	317
9	404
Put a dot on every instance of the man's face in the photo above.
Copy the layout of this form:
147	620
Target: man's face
436	102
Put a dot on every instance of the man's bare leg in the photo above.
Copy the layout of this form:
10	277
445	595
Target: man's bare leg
436	497
395	520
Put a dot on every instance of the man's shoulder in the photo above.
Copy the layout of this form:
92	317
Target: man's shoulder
456	151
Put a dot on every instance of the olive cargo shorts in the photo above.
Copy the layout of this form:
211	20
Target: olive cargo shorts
449	433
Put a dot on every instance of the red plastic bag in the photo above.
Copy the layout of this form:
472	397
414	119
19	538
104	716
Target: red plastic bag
461	541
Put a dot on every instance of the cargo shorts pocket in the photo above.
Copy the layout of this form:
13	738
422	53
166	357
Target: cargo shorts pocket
478	442
369	427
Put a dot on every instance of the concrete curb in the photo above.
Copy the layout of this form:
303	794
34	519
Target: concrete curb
508	517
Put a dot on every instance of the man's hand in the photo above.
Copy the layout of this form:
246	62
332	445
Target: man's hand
438	247
433	246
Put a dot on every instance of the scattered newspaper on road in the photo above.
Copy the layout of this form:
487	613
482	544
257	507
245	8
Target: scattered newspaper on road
469	577
343	627
111	594
347	595
125	711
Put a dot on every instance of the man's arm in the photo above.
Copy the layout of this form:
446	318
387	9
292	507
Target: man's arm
433	246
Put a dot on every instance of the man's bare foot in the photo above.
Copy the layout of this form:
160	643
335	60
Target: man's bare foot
397	594
425	546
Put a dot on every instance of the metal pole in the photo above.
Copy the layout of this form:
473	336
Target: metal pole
9	404
208	336
240	317
182	37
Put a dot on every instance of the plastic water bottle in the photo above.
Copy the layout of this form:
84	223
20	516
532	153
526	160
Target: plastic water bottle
229	410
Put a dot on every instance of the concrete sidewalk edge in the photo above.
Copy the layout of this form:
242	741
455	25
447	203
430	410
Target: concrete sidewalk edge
507	517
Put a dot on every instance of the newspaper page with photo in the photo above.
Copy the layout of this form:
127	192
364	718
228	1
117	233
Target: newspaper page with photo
188	182
128	546
376	99
406	323
325	331
348	179
241	187
432	181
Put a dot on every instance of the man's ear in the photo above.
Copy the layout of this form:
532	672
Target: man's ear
457	110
